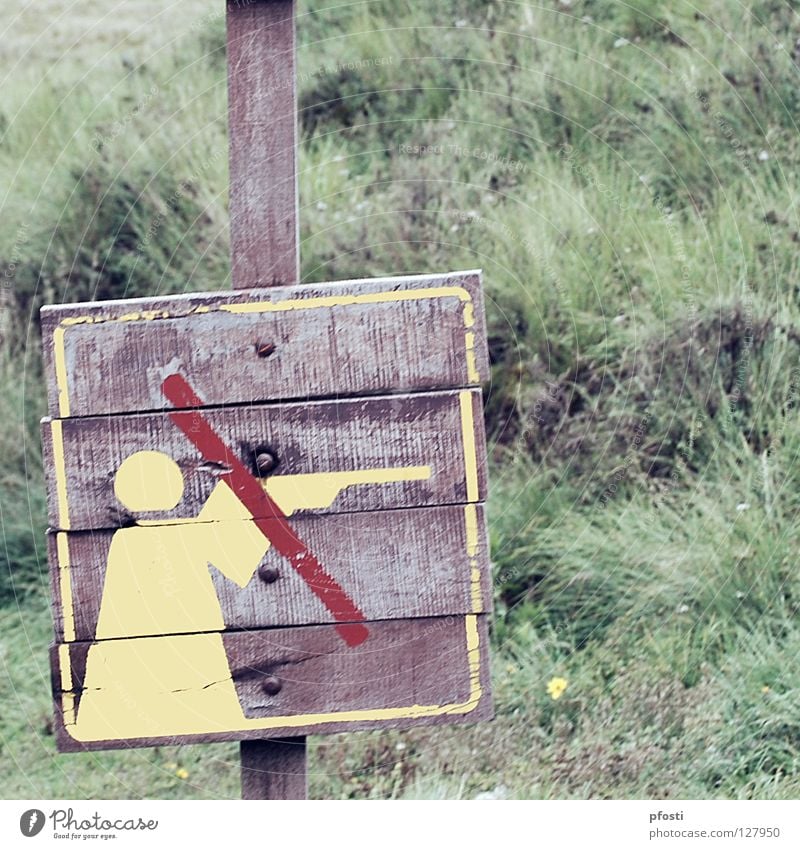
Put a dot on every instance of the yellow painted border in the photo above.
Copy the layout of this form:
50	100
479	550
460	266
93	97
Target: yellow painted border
68	696
468	439
471	474
57	441
471	526
61	370
65	586
59	351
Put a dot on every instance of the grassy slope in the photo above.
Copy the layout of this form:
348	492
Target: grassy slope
624	181
93	32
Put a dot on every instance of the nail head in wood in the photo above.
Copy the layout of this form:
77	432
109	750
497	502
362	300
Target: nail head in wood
268	574
265	462
271	685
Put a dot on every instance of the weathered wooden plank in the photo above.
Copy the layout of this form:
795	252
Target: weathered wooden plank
262	115
274	769
261	79
332	456
353	338
283	683
398	564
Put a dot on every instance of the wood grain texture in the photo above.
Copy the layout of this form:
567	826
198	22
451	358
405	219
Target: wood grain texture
397	432
409	672
262	116
262	109
413	338
397	564
274	769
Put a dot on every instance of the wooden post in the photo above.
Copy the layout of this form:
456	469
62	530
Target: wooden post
262	113
274	769
262	110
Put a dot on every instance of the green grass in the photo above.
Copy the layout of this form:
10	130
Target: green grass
623	173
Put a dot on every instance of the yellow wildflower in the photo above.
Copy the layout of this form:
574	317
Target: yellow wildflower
182	773
765	688
556	687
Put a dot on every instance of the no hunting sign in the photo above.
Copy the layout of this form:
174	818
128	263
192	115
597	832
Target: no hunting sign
267	506
346	572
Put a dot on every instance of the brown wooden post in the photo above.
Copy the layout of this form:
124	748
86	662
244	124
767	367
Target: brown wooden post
262	110
274	769
262	113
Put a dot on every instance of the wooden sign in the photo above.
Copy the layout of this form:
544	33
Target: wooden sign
266	511
266	507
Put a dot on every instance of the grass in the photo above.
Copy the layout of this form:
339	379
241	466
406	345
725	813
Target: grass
623	174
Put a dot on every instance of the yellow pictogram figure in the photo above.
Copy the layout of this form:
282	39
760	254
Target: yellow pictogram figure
158	583
171	675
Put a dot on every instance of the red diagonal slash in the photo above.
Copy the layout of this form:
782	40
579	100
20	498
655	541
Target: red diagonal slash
273	523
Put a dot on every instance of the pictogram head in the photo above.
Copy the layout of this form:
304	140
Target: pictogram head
147	481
